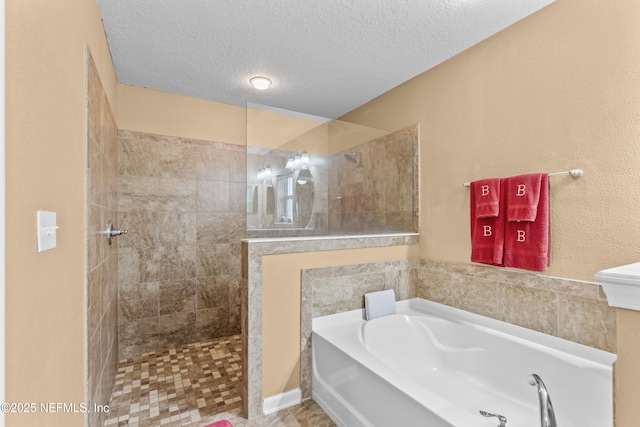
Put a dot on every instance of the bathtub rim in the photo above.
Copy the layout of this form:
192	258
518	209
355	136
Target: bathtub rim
415	306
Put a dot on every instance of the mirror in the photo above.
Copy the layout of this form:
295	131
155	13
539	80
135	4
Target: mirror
269	202
284	194
304	194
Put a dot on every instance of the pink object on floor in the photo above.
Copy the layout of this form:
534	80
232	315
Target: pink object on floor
223	423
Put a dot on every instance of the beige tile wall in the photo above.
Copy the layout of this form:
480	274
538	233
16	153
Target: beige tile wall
380	195
102	259
183	202
571	309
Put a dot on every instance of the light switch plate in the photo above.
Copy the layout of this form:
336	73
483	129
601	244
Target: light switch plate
47	230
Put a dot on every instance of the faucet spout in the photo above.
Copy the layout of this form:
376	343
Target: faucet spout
547	416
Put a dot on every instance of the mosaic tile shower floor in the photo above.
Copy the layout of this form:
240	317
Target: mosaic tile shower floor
192	386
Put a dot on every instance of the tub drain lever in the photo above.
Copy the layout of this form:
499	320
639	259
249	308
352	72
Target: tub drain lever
501	418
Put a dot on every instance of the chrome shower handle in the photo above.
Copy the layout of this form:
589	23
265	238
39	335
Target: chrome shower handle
110	232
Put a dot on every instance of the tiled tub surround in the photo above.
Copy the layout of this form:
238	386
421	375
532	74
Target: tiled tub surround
381	194
571	309
183	202
102	259
252	252
331	290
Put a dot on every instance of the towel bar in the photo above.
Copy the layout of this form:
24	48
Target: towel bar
574	173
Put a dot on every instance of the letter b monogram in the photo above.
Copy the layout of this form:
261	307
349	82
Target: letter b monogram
521	190
485	190
521	236
487	230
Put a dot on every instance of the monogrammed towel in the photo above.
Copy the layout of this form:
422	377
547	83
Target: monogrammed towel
487	195
523	196
487	234
526	243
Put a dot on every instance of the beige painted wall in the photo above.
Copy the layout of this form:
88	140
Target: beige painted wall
279	129
344	135
558	90
281	307
45	167
163	113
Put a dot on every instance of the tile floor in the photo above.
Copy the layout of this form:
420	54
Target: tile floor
192	386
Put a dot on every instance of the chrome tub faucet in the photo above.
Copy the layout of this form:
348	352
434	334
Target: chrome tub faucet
547	416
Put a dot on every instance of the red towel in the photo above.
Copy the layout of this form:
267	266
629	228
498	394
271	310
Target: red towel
523	196
223	423
527	242
487	234
487	193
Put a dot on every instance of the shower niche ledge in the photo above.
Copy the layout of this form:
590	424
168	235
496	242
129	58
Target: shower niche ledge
621	285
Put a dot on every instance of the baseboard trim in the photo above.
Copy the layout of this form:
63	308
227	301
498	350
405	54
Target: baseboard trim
281	401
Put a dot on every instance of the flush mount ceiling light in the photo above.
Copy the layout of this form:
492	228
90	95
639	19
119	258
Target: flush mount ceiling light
260	83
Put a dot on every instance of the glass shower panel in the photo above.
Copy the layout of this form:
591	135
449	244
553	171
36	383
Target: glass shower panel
310	176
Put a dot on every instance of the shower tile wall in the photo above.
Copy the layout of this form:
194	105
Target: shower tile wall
379	194
183	202
574	310
102	259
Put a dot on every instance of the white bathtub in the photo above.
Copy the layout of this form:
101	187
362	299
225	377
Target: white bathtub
434	365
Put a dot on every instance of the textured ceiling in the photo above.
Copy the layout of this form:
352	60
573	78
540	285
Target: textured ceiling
325	57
